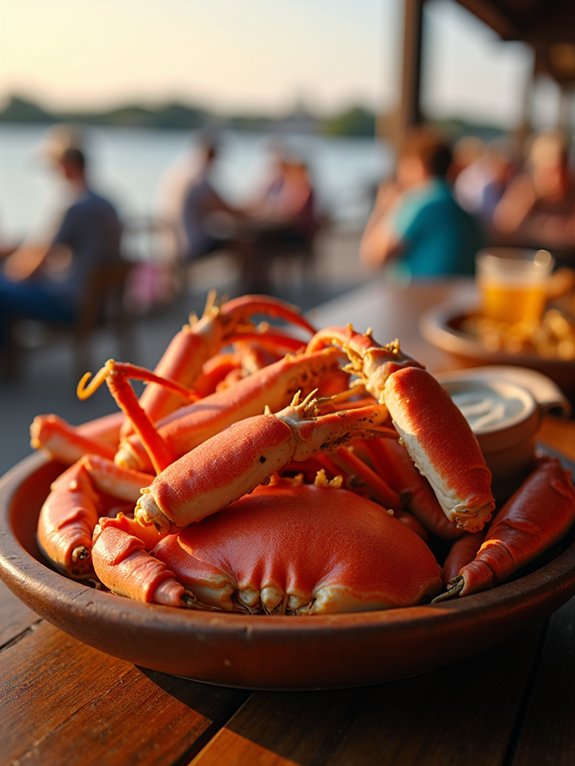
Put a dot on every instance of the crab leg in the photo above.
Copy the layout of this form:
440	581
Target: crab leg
273	386
537	515
67	519
442	446
116	375
357	471
76	501
435	433
128	570
392	461
237	459
111	479
64	442
461	553
216	371
372	362
197	341
246	357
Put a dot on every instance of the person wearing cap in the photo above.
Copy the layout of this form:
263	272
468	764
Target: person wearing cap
46	282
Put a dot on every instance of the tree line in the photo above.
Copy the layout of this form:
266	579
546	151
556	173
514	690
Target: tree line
356	121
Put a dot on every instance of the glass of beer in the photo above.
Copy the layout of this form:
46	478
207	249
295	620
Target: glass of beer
513	284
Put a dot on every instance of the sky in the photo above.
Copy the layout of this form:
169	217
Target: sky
253	56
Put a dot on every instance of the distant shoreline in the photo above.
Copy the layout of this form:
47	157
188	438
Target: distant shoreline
353	122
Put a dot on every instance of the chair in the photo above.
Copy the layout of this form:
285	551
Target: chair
153	247
288	253
102	305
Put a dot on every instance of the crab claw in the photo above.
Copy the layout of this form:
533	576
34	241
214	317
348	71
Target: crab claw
441	445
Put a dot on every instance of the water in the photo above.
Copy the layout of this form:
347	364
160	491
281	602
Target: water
130	163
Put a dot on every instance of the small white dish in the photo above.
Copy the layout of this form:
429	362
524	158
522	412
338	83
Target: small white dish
505	407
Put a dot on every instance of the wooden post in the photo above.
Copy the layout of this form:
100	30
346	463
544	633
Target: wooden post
409	111
525	126
565	108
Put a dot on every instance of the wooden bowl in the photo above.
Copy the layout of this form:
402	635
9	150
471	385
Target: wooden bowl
443	327
261	652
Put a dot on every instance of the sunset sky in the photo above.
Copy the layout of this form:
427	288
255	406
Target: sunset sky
251	55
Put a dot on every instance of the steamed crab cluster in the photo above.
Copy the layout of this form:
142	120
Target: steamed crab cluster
262	473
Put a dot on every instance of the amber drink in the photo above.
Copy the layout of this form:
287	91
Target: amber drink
512	284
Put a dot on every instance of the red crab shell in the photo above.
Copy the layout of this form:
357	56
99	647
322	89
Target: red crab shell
301	549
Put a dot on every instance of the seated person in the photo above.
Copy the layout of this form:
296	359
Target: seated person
538	207
288	215
207	221
480	185
272	182
47	282
416	220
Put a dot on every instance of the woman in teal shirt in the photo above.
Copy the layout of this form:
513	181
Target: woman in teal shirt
416	220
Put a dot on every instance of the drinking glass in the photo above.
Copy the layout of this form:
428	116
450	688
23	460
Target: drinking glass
512	283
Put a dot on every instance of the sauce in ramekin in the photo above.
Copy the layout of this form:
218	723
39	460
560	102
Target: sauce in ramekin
505	418
487	407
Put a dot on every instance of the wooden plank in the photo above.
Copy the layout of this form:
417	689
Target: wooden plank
436	719
548	734
15	618
82	706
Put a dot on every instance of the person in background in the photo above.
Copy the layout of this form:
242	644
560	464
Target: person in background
47	281
466	167
479	186
204	220
416	222
284	221
272	183
288	211
538	207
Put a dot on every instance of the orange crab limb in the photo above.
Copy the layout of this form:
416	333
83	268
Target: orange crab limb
461	553
111	479
64	442
66	522
148	535
116	376
372	362
537	515
123	564
197	341
215	371
237	459
391	460
352	466
442	446
436	435
273	386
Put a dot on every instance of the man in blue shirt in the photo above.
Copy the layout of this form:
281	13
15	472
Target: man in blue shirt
47	282
416	221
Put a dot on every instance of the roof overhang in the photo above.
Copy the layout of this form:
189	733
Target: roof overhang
547	27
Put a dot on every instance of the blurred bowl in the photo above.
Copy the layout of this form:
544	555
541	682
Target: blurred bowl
265	652
443	327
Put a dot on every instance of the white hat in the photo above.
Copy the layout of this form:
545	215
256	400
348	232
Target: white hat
58	139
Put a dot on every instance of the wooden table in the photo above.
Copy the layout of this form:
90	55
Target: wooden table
63	703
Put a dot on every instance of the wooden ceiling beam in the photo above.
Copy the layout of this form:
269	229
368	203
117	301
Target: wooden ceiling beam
492	15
